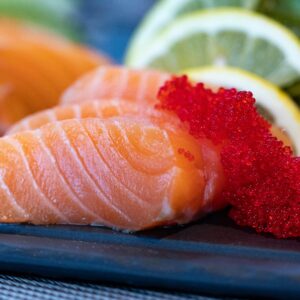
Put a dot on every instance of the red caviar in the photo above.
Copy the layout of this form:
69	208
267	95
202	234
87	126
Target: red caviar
262	176
187	154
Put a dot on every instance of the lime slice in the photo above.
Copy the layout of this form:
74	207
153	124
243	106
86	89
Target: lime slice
273	103
221	37
165	11
53	14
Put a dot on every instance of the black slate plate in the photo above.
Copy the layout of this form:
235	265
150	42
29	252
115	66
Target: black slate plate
212	256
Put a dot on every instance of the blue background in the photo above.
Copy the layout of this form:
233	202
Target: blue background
108	24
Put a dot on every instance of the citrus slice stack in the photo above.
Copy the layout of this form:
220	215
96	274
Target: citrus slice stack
166	11
224	37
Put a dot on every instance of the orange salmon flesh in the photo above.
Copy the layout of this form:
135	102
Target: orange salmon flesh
129	173
36	67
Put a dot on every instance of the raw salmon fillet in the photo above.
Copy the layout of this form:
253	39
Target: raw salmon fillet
89	109
36	67
128	173
140	86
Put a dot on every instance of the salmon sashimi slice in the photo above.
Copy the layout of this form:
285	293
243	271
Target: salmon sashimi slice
89	109
128	173
37	67
105	82
140	86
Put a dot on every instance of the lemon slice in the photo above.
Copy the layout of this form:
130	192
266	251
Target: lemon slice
221	37
165	11
273	103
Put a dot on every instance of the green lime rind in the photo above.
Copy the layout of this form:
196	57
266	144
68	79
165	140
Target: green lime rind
166	11
286	12
288	7
55	15
232	37
294	91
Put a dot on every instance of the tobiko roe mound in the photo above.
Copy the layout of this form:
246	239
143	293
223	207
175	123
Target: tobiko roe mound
262	176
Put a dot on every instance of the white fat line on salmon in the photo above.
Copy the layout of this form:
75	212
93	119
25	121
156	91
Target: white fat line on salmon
144	79
122	83
25	124
120	158
70	191
166	210
124	135
77	111
51	115
209	189
90	105
96	105
115	102
18	147
95	83
4	187
136	198
96	187
164	179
